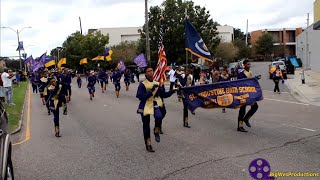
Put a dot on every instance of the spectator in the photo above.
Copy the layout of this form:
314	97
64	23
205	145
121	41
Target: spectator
18	78
172	77
1	90
7	86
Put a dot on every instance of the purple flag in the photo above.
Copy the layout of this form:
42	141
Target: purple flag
28	60
140	60
43	57
121	65
36	66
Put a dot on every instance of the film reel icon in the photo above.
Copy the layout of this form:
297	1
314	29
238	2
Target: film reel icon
259	169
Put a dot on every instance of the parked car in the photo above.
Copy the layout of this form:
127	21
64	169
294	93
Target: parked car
6	172
282	66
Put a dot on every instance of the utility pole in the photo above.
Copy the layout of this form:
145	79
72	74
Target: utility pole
19	50
80	25
247	33
307	45
147	33
18	32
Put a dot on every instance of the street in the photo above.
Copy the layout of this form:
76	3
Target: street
103	138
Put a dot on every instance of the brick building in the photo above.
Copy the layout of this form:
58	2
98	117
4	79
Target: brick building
284	40
316	6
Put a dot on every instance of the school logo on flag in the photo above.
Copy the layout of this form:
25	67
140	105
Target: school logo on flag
195	44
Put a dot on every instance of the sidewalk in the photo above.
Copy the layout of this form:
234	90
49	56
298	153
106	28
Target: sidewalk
310	91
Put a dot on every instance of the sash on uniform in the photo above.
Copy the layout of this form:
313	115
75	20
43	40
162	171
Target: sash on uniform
149	106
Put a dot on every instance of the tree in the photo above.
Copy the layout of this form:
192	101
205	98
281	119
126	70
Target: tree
173	12
264	44
244	50
238	34
125	50
227	51
78	46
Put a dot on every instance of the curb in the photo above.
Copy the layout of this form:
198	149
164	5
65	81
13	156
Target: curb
296	93
22	112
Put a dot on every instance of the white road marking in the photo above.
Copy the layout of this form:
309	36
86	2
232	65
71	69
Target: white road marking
300	128
287	101
273	92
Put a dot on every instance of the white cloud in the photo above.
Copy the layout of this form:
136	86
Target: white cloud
53	21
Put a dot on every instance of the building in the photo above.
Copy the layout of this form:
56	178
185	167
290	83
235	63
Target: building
308	42
226	33
118	35
284	40
316	10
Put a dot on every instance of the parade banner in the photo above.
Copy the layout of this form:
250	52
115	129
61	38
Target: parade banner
230	94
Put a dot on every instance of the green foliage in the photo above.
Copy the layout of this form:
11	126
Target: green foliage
173	12
14	112
126	51
227	51
238	34
13	64
264	44
78	46
244	51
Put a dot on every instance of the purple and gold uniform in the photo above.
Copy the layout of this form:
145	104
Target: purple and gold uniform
243	116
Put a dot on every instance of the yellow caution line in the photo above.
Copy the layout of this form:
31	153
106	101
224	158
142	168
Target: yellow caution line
28	120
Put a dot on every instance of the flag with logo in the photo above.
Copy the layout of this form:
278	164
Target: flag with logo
108	52
42	58
20	46
121	66
61	62
83	61
29	60
36	66
49	61
159	73
140	60
195	44
98	58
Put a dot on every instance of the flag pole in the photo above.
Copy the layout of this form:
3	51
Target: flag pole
186	17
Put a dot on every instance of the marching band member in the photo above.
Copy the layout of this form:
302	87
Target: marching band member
103	78
127	75
54	91
223	78
186	80
149	93
116	81
91	82
243	116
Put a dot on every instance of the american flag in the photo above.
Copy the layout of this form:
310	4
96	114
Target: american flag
159	73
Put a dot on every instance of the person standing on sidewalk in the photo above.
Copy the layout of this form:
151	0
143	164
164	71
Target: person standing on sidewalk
172	77
7	86
277	75
2	95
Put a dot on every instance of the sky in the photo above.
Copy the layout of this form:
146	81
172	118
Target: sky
53	20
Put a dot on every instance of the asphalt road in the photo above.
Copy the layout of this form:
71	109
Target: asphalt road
102	139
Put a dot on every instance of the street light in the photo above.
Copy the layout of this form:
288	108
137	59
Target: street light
18	32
